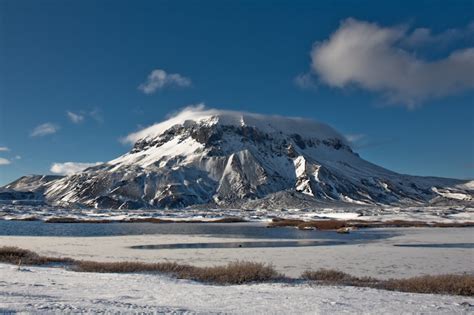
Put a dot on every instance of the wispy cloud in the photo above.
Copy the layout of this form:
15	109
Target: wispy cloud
353	138
78	117
44	129
366	144
373	58
69	168
420	37
4	161
75	117
360	141
305	81
96	114
159	79
198	112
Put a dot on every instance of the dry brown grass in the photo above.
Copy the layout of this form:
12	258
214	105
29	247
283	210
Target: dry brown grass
74	220
277	222
325	224
128	267
453	224
328	275
335	277
337	224
438	284
403	223
31	218
19	256
318	224
284	222
229	220
441	284
140	220
146	220
239	272
158	220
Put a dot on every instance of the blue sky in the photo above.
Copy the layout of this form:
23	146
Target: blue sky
89	58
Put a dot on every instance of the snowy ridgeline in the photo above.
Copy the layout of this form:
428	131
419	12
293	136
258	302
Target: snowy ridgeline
223	159
48	290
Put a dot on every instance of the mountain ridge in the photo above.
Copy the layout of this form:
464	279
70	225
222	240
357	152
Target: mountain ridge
225	159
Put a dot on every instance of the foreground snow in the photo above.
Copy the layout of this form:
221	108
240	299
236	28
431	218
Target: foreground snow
36	289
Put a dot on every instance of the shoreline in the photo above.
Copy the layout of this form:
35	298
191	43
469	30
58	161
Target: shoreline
344	226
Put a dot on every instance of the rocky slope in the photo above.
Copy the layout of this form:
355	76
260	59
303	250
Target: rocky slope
232	159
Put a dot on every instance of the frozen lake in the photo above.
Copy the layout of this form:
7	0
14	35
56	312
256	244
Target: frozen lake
219	230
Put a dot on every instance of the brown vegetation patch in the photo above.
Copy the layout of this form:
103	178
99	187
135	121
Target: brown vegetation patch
335	277
241	272
437	284
19	256
128	267
238	272
233	273
324	224
25	219
277	222
329	275
146	220
403	223
317	224
158	220
229	220
140	220
441	284
453	224
339	224
75	220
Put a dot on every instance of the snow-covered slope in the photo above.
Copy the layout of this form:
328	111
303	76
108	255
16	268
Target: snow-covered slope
234	159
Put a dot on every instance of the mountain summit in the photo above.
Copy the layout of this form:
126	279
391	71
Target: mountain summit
225	159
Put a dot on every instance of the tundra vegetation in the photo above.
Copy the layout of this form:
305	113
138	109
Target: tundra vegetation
243	272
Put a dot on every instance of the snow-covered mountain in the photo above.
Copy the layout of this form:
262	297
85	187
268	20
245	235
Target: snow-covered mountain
232	159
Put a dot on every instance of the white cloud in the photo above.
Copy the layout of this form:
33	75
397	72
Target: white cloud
96	114
424	37
189	112
305	81
159	79
44	129
199	112
352	138
69	168
81	116
75	117
17	157
4	149
4	161
370	56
